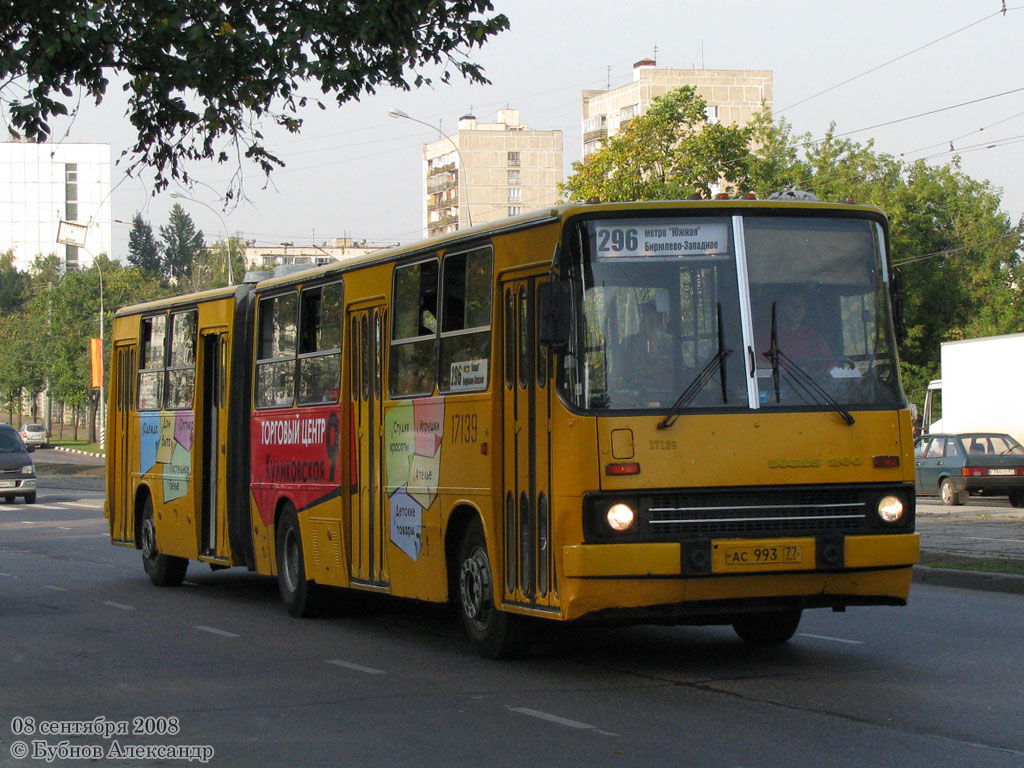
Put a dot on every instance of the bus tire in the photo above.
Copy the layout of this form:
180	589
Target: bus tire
493	633
163	570
304	599
772	628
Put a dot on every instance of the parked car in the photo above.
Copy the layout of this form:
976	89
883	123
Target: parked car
35	434
956	466
17	471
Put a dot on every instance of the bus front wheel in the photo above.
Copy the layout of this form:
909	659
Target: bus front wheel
767	628
493	633
163	570
304	599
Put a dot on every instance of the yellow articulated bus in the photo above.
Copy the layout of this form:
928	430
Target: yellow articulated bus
674	412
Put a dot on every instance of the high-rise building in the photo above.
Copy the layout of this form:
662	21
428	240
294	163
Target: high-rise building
488	171
44	184
732	96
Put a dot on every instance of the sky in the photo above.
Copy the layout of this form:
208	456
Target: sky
913	76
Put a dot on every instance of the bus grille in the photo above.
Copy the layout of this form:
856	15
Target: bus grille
764	512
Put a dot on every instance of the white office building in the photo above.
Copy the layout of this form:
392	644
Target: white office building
44	184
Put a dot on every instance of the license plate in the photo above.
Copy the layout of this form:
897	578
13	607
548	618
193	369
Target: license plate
8	483
763	556
1002	471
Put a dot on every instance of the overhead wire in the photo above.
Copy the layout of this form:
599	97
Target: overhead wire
946	36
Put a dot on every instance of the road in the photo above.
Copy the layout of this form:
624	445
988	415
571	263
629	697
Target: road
84	635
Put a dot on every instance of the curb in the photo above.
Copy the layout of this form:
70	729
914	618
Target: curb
94	454
990	582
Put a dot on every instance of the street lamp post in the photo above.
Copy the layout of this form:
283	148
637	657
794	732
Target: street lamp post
397	113
72	233
227	239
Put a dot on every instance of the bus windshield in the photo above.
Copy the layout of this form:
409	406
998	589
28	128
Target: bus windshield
732	312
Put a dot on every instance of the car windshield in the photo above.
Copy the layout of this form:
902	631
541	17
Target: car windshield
10	442
34	428
732	312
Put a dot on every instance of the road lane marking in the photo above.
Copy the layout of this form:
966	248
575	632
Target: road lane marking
121	606
983	538
98	504
215	631
356	667
557	720
56	589
830	639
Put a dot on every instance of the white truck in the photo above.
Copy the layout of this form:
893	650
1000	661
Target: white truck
981	387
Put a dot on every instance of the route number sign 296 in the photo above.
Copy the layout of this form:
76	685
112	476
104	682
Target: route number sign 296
660	238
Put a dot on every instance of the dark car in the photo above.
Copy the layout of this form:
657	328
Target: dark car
974	463
17	472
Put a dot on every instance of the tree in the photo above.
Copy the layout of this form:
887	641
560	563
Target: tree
669	152
12	284
182	246
207	70
143	249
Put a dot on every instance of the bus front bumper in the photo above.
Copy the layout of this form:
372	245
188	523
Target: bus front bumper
627	578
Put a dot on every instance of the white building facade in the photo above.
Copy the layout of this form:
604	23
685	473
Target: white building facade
733	97
489	171
44	184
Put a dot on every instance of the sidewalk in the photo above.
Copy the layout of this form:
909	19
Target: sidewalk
981	530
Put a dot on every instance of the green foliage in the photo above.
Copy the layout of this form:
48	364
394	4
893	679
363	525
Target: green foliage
669	152
183	246
200	72
143	249
13	284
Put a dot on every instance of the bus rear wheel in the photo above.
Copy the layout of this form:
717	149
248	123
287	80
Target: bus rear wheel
767	628
163	570
493	633
304	599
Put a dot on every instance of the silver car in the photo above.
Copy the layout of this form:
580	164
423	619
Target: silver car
35	435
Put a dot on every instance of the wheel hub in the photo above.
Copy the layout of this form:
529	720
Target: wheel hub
475	577
148	540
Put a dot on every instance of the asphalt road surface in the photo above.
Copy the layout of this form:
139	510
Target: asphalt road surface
216	670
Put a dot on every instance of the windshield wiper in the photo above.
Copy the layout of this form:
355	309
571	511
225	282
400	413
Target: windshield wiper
797	377
701	379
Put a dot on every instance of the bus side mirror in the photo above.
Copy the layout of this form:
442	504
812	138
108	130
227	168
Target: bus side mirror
554	314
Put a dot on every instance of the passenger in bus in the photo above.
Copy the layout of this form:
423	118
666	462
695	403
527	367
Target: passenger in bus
797	338
648	358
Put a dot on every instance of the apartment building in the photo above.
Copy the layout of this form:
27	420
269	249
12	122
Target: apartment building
488	171
732	96
44	184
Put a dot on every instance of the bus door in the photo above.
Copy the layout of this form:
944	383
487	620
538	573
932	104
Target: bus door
123	444
528	563
212	415
367	527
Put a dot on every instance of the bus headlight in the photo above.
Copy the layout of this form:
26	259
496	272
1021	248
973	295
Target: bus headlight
620	517
891	509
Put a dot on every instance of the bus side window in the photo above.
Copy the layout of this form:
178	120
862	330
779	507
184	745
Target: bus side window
320	333
466	321
151	370
181	367
413	357
275	364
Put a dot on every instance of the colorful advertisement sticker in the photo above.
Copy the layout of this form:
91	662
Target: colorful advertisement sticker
406	523
165	439
414	432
